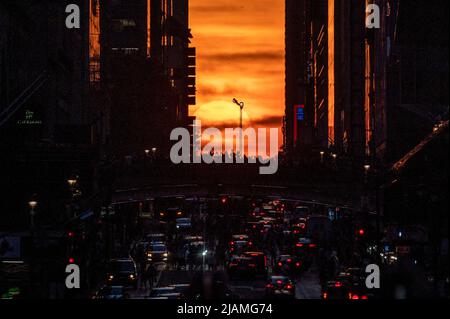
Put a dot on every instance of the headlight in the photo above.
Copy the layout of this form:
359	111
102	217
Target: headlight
149	255
165	254
131	276
111	277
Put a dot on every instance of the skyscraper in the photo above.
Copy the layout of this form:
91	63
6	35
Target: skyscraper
299	113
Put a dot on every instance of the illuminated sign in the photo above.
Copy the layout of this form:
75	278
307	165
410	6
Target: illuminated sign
299	116
29	119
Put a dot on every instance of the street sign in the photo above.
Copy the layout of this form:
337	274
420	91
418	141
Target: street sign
10	247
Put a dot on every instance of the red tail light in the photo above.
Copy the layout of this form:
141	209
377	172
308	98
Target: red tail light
297	264
279	282
299	245
312	245
254	226
296	232
338	284
269	286
232	243
355	297
289	287
280	264
364	298
71	260
289	260
250	243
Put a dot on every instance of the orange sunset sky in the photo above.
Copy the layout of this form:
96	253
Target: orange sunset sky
240	53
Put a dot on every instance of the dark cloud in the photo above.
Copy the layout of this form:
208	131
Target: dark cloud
267	122
211	90
216	8
262	56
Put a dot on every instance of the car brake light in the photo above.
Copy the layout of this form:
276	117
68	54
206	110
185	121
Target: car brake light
232	243
297	264
289	287
280	264
71	260
279	282
338	284
296	232
250	243
269	286
299	245
254	226
312	245
364	298
289	260
355	297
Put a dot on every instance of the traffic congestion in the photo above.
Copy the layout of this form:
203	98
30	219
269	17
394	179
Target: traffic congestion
235	247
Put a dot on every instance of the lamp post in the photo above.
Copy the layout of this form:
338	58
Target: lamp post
241	108
32	204
366	172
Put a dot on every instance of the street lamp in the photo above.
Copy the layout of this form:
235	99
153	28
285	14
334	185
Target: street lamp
241	108
32	204
72	181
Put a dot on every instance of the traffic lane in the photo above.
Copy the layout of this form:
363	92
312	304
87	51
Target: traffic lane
308	286
249	289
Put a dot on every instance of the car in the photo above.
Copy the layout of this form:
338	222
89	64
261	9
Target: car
157	252
183	224
342	289
165	293
258	263
299	229
171	214
335	290
287	264
280	287
122	272
156	238
305	246
354	278
239	244
111	293
238	267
